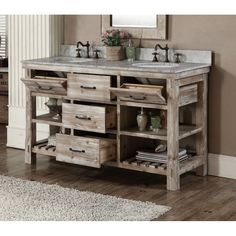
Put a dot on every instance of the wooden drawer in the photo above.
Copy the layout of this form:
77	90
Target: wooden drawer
140	93
84	150
188	94
42	84
89	118
3	109
89	87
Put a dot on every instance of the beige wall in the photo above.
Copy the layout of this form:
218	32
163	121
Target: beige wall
216	33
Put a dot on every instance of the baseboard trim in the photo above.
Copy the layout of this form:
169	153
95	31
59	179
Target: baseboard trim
222	165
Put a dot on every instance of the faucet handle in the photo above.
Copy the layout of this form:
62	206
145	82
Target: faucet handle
96	53
78	52
155	57
177	59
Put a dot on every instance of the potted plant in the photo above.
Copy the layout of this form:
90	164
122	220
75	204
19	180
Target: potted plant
113	40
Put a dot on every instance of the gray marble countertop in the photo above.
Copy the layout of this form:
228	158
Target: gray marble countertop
4	69
124	65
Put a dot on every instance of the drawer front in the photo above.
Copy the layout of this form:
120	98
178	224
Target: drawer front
4	109
77	150
135	94
49	85
89	87
84	150
188	94
88	118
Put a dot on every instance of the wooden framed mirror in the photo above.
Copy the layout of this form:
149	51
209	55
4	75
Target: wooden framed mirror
140	26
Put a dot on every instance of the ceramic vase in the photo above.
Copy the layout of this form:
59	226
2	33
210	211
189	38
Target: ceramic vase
142	120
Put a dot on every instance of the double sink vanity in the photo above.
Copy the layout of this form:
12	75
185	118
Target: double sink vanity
98	123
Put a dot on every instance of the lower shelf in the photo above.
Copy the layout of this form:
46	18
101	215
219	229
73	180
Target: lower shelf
143	166
132	164
44	149
190	164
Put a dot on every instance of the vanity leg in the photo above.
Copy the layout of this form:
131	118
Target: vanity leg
30	158
173	177
201	120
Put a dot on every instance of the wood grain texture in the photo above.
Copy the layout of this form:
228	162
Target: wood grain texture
201	120
44	84
89	118
173	177
89	87
30	157
84	150
140	94
30	139
188	94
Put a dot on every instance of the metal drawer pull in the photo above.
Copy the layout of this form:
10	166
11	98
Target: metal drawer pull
83	117
42	88
138	98
87	87
76	150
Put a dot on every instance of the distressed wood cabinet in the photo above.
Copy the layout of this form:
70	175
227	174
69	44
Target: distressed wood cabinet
98	125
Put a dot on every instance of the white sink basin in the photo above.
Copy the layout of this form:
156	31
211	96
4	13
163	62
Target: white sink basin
155	65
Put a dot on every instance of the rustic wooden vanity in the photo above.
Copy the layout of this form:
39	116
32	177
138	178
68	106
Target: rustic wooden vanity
98	125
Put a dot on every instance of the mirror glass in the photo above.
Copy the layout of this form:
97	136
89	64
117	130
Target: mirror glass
135	21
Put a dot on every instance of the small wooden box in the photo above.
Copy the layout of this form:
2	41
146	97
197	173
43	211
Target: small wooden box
89	118
85	151
89	87
3	109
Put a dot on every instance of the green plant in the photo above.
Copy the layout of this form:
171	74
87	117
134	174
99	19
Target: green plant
114	37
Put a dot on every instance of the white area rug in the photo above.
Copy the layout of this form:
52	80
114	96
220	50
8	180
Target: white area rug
29	200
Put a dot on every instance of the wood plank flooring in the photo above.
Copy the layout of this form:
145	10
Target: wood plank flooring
200	198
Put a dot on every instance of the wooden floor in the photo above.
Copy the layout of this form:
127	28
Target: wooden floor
200	198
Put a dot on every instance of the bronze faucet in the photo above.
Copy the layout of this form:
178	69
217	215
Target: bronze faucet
163	48
87	45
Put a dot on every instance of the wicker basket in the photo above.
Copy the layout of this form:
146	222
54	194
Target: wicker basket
115	53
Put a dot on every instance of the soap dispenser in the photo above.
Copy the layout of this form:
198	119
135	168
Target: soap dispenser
130	51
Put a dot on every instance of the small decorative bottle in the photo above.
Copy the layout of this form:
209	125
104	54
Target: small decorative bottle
142	120
130	51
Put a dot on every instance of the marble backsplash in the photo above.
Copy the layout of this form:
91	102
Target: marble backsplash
192	56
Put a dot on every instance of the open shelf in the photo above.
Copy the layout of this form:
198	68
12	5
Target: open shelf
47	119
190	164
184	131
43	149
132	164
145	166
